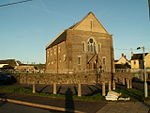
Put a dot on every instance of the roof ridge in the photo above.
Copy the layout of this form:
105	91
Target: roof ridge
77	23
55	38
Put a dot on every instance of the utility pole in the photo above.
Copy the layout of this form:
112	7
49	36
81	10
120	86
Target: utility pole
145	77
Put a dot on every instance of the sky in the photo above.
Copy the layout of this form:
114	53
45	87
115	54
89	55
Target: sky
26	29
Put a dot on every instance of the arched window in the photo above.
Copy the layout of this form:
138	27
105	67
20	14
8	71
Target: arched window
91	45
99	47
94	47
79	59
47	53
88	46
83	46
91	23
104	60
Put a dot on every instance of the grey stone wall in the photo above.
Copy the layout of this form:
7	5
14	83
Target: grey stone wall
78	78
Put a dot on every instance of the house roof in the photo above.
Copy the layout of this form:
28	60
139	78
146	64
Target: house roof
122	60
22	67
116	60
138	56
58	39
62	36
11	62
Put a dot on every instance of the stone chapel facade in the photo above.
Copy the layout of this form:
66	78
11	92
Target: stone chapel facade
85	46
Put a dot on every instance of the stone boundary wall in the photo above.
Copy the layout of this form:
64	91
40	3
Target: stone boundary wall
80	78
127	75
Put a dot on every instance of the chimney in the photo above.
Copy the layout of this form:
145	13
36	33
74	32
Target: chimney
131	54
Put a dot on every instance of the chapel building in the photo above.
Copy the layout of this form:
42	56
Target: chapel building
84	47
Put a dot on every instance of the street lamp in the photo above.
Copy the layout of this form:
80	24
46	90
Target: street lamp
145	78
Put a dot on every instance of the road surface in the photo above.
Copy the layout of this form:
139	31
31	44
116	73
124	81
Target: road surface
6	107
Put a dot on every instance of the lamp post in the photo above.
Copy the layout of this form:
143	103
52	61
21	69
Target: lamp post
145	78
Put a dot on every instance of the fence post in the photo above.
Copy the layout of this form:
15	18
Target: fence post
109	85
103	89
79	90
33	88
54	88
128	83
123	81
114	85
131	83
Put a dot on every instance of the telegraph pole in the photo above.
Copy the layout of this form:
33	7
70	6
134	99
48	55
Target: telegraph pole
145	77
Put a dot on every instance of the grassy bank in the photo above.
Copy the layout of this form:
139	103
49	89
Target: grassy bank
21	90
134	94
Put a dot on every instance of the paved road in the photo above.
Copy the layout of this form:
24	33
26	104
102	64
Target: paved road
112	107
68	102
125	107
15	108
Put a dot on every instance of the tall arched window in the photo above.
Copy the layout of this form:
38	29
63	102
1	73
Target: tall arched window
99	47
83	46
91	23
91	45
88	46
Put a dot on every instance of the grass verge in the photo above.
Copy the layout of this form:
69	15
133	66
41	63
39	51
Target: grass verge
134	94
22	90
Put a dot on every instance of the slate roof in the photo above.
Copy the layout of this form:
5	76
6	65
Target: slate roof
11	62
62	36
57	40
138	56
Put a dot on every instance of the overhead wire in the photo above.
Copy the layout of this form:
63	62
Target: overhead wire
15	3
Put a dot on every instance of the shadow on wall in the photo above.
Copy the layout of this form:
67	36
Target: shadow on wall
69	104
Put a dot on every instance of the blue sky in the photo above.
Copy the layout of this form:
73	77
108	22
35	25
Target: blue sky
25	29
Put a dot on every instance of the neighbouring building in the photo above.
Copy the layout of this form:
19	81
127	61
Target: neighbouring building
30	68
122	63
85	46
25	68
8	63
137	61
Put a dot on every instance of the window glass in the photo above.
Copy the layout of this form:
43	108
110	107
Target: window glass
64	57
58	49
134	62
104	60
91	45
79	60
83	46
99	47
